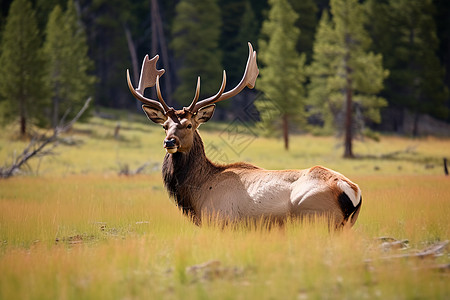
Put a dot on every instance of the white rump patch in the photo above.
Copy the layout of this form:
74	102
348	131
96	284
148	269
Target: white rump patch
346	188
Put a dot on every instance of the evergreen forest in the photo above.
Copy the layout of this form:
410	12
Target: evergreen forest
348	67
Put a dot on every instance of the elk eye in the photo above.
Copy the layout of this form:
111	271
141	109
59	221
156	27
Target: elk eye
189	126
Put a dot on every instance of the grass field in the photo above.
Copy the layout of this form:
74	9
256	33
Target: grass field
74	229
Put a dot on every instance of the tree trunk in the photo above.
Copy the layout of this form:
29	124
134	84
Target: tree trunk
286	132
415	130
348	153
158	29
134	60
23	119
55	114
23	126
154	46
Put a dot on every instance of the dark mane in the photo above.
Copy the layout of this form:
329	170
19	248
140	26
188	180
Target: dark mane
177	171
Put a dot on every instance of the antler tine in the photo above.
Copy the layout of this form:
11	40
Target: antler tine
193	108
215	98
148	78
194	101
149	72
161	100
248	80
137	95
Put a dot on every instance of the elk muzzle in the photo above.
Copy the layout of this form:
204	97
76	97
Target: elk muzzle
170	145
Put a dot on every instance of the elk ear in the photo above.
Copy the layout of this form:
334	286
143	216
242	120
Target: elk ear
205	113
153	114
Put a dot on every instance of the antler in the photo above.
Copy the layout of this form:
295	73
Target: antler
194	101
149	77
191	107
248	80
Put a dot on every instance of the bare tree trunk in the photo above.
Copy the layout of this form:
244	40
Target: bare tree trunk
286	132
38	146
55	118
23	126
413	91
157	29
23	119
415	130
348	152
154	47
134	60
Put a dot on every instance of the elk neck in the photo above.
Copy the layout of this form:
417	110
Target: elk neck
184	175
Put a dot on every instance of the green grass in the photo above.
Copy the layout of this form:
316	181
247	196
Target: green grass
80	231
97	152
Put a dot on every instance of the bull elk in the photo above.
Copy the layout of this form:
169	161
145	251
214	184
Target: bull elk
237	191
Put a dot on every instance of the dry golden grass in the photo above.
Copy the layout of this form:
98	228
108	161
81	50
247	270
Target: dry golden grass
116	237
97	152
80	231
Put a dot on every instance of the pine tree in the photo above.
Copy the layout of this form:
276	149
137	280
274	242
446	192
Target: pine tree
68	72
22	85
321	108
282	70
405	32
441	17
107	23
43	9
351	75
196	32
248	29
247	32
232	14
307	23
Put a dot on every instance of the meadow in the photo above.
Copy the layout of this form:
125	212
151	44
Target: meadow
73	228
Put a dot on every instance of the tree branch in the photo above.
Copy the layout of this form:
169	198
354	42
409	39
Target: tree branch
39	144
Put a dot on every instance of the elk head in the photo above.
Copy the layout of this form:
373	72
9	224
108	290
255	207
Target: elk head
180	125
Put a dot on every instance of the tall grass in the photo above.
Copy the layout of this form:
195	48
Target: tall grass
96	151
80	231
110	237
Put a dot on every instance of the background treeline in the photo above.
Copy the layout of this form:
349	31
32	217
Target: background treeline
85	47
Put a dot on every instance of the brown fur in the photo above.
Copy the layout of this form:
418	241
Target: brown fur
177	171
240	190
192	179
326	175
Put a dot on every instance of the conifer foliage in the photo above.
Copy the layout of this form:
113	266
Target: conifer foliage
307	22
345	76
68	63
45	69
196	33
282	70
22	86
405	33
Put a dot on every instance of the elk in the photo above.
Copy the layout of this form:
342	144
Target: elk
237	191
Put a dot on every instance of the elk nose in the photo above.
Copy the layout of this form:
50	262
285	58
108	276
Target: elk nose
169	143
